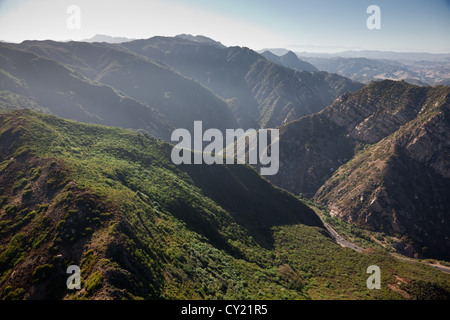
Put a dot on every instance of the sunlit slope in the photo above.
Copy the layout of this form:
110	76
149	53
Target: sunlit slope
111	201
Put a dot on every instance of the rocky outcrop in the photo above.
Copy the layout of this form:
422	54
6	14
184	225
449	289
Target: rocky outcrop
378	158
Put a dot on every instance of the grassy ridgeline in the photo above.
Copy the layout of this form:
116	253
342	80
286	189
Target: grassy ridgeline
111	201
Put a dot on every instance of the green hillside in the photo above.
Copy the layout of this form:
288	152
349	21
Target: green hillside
110	201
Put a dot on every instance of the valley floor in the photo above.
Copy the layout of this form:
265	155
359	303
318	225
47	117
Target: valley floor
344	242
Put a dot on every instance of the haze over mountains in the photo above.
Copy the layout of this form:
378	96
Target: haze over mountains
365	66
68	94
111	201
259	92
187	80
369	157
105	38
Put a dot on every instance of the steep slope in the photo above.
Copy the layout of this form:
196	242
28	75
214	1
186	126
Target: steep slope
290	60
61	91
317	145
314	147
400	185
110	201
127	219
261	93
180	100
311	149
253	91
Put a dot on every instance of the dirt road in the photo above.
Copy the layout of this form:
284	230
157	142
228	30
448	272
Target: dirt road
347	244
340	240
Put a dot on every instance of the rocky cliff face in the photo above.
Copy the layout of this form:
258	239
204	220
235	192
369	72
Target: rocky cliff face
380	159
379	110
180	100
400	186
311	149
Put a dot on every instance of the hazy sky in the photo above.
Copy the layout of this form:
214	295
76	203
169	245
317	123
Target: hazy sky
317	25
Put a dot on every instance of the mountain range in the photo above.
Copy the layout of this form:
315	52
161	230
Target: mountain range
106	38
423	72
110	201
290	60
260	93
364	66
86	176
189	80
68	94
377	157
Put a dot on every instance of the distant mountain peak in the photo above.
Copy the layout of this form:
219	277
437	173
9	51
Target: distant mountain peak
108	39
291	54
200	39
268	53
289	60
291	57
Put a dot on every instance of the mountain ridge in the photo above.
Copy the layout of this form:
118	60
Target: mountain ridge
179	99
290	60
254	87
87	179
106	38
141	228
318	153
67	94
167	73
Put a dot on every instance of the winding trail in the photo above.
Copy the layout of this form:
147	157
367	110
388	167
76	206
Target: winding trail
340	240
347	244
437	266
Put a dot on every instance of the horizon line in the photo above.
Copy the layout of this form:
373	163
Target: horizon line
289	47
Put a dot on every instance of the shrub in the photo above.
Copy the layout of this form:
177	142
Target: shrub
94	282
19	184
56	179
41	273
41	208
14	252
26	193
20	175
35	173
11	209
3	200
379	237
10	294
